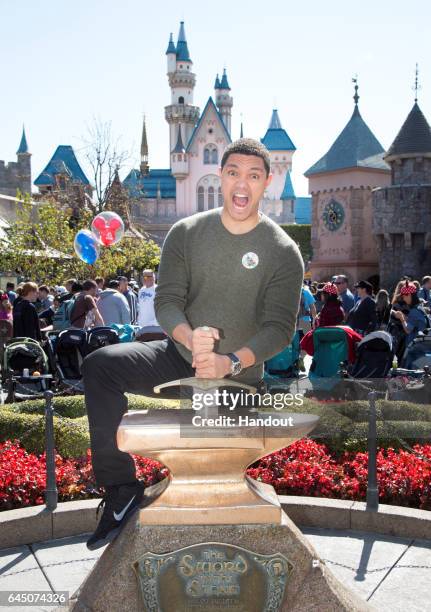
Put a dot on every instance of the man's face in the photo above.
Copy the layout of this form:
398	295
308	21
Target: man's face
341	285
149	280
361	292
427	285
92	291
243	182
42	294
122	287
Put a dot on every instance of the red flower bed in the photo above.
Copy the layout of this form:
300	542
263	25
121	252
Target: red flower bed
22	476
304	468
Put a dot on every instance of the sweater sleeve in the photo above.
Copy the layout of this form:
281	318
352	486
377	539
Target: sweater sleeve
125	311
172	283
281	304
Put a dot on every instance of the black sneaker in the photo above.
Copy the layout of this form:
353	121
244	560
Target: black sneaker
118	503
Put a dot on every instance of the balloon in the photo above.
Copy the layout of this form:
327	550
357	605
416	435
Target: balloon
108	227
86	246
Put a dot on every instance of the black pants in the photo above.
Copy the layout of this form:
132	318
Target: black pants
108	373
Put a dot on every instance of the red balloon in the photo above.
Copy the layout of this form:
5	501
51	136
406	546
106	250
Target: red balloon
107	229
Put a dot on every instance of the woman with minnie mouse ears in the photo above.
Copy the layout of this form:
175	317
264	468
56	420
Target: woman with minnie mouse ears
332	312
416	320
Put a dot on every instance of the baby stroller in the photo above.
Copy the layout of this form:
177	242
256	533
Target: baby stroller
285	365
67	350
22	354
418	353
99	337
330	353
374	358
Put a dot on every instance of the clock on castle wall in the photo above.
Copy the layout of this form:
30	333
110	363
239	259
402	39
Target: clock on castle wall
333	215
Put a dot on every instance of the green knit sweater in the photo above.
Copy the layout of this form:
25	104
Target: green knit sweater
248	285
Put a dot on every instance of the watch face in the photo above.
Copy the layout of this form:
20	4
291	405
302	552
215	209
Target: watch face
333	215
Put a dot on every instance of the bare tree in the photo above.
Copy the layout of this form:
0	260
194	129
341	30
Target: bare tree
105	157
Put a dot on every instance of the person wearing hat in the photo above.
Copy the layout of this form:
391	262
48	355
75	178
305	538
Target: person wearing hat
416	320
363	316
332	312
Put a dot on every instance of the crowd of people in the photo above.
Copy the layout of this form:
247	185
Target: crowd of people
404	314
30	309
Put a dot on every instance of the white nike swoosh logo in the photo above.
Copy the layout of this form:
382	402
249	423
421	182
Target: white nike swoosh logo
119	517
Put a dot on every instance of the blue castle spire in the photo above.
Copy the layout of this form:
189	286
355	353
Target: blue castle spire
171	45
217	83
183	54
23	146
224	84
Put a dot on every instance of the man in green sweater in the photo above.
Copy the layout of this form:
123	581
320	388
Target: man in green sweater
227	297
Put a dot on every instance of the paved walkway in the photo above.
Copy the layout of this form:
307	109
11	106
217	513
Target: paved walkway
392	574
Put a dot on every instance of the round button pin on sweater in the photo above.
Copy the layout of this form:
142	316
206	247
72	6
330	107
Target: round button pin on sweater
250	260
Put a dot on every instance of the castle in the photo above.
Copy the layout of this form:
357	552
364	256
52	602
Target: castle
196	144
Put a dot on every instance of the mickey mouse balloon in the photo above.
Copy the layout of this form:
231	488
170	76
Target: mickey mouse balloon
108	227
86	246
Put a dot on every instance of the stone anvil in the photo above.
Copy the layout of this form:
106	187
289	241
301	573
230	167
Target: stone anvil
207	482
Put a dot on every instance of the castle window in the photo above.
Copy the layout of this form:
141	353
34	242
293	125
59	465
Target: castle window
201	199
210	154
210	197
181	100
220	197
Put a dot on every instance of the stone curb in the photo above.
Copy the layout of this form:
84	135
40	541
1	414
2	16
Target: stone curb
36	524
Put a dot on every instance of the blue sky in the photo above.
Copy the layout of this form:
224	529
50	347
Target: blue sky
64	63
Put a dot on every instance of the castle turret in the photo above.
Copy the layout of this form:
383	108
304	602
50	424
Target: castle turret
402	211
179	158
224	100
182	83
171	55
24	165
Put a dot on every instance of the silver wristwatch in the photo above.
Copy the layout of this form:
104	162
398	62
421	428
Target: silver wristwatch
236	366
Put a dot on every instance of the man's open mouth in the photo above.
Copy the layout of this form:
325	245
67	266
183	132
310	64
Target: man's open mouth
240	200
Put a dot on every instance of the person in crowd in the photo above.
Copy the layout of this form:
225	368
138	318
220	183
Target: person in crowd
424	292
332	312
25	319
10	290
346	296
85	313
224	315
44	298
113	305
100	282
72	287
416	320
130	295
146	316
307	310
363	317
383	309
5	307
46	317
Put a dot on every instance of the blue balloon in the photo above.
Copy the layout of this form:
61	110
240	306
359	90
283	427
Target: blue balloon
86	246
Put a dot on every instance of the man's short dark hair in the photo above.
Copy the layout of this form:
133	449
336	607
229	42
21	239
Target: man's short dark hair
76	287
44	288
113	284
248	146
123	279
10	286
89	284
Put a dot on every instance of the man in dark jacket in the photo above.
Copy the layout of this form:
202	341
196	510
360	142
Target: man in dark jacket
363	317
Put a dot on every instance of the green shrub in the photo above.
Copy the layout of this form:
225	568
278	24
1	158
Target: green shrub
73	407
71	435
301	234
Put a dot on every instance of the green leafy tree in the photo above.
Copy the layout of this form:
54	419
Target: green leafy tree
39	246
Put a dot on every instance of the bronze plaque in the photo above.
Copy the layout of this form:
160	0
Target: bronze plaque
211	577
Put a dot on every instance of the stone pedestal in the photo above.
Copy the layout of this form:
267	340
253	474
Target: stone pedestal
310	587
